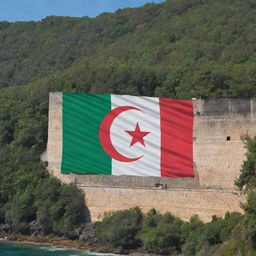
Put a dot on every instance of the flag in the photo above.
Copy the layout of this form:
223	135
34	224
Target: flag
127	135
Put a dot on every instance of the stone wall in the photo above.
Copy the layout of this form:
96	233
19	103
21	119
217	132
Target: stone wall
180	202
220	127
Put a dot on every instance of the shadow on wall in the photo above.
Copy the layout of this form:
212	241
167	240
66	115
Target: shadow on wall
87	214
90	180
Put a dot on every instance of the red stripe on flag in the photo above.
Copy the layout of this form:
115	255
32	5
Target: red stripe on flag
176	138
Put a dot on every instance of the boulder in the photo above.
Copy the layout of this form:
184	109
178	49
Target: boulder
5	228
88	233
36	228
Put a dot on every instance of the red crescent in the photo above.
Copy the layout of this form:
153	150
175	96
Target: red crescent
104	134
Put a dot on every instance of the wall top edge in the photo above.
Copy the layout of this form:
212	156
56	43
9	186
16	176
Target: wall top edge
212	107
197	100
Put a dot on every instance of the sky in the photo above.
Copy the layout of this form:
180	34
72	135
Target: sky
25	10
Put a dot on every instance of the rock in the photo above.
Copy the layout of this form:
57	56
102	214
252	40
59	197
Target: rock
78	231
36	228
88	233
5	228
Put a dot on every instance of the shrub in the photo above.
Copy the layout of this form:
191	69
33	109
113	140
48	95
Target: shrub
248	170
160	230
120	228
210	234
60	207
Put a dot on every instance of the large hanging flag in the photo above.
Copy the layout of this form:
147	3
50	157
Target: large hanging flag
127	135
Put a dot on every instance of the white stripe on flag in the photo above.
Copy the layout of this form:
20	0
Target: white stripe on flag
149	121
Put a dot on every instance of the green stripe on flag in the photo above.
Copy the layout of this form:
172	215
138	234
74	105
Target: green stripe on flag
81	151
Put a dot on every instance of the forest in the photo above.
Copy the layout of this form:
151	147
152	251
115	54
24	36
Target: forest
177	49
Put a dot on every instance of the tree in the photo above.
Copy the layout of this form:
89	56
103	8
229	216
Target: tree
248	171
120	228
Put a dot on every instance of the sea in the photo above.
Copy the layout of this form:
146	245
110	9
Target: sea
17	249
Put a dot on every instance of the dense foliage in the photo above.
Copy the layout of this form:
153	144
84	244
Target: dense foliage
248	171
120	228
27	192
179	48
155	231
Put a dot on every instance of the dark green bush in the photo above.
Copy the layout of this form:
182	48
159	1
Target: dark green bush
248	170
213	233
59	208
120	228
160	231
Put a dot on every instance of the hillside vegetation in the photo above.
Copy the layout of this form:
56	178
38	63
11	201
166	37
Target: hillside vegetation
178	49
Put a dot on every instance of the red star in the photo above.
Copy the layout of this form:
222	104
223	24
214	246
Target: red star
137	135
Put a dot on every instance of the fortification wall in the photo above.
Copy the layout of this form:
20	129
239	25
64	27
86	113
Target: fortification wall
183	203
220	127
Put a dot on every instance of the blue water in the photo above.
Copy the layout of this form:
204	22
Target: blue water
12	249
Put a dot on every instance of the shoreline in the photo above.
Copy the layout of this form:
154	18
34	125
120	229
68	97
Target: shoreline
57	241
90	247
